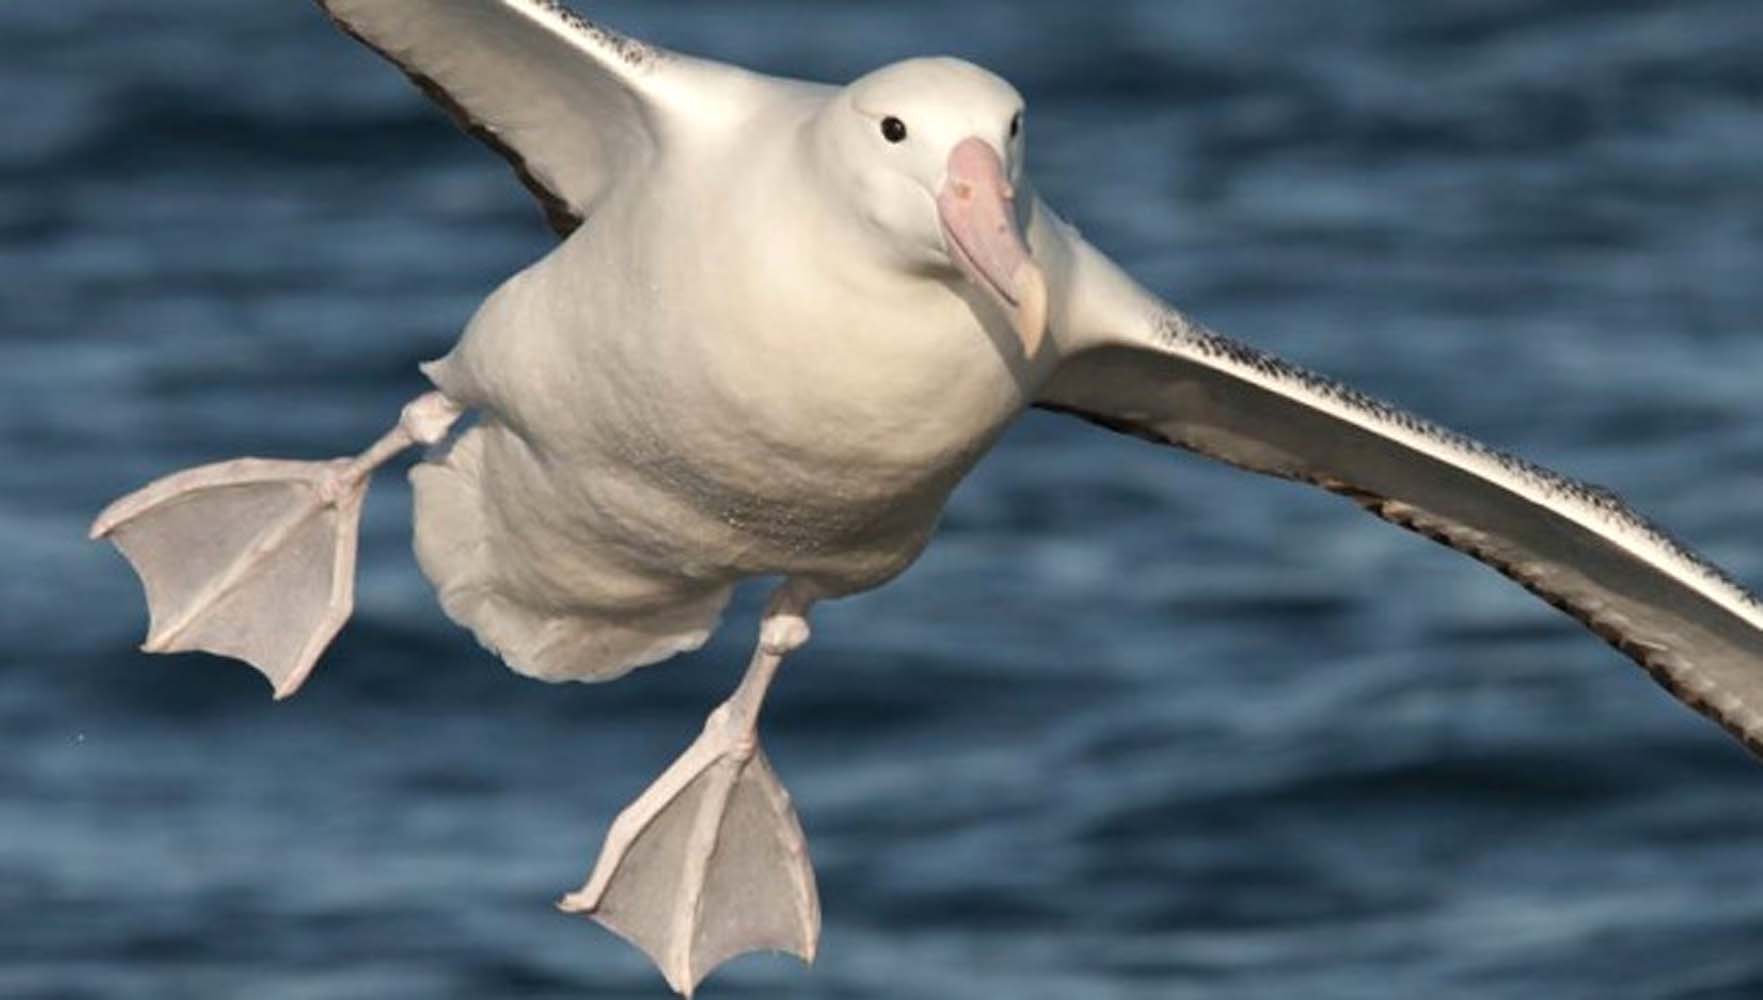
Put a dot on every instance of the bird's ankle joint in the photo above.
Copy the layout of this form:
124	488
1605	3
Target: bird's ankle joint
782	635
427	419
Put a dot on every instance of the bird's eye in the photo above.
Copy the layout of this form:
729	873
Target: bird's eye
1016	125
893	129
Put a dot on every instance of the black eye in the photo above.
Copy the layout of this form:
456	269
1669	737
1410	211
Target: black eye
1016	125
893	129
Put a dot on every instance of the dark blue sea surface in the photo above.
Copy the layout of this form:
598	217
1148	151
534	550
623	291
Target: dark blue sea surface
1137	726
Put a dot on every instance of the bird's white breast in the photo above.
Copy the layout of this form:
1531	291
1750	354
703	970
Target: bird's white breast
710	378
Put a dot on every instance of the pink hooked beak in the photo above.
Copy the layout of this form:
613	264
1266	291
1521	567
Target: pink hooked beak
980	228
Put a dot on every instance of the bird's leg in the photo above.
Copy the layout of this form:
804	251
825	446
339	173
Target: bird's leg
255	559
710	862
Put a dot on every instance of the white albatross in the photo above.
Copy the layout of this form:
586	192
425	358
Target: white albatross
784	321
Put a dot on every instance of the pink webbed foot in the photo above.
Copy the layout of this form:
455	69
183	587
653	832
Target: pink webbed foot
255	559
710	862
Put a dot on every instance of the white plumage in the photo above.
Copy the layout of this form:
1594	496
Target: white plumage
784	321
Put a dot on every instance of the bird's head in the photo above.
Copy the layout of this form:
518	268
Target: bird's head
933	149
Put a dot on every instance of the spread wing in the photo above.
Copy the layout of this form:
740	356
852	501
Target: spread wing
573	106
1137	366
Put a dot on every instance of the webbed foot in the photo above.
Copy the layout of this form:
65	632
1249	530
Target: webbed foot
710	862
255	559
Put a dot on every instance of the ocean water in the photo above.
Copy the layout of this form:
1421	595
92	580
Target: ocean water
1136	726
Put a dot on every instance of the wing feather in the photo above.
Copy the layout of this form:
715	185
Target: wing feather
571	105
1137	366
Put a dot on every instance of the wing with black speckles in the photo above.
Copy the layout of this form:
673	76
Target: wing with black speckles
1137	366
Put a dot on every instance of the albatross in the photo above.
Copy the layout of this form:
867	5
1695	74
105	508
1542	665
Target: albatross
783	320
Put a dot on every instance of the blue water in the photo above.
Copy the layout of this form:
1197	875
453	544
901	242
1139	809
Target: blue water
1135	727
